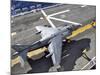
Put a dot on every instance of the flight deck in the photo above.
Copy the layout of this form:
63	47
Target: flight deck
78	54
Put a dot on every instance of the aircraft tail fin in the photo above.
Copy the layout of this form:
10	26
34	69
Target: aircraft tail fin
22	57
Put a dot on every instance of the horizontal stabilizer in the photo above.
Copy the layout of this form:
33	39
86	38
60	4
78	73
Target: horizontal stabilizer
19	48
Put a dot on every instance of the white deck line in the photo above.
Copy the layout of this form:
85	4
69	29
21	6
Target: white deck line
58	13
75	23
13	34
51	6
93	60
83	6
47	18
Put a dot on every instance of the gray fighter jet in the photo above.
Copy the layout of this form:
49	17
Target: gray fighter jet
51	36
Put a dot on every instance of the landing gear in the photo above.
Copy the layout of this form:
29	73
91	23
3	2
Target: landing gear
56	69
67	40
60	69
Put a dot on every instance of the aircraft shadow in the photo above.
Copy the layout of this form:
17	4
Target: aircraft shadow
70	53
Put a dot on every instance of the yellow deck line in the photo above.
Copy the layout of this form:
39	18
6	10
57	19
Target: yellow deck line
29	54
82	29
41	50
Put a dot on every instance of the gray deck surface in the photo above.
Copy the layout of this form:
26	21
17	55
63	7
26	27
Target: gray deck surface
72	58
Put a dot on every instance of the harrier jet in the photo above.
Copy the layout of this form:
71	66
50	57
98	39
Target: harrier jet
52	37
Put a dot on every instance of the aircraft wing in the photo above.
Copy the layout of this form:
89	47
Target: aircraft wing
45	31
55	48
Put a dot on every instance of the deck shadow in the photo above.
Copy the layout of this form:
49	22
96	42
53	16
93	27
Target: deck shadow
70	53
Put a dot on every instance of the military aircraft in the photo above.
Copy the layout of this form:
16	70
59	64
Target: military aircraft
51	36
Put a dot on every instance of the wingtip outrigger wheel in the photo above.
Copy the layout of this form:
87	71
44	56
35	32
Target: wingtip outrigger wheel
57	68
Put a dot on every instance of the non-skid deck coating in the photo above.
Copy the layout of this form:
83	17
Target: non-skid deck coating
24	26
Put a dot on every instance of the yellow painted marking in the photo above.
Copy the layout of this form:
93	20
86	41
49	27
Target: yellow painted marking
36	52
29	54
41	50
82	29
14	61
